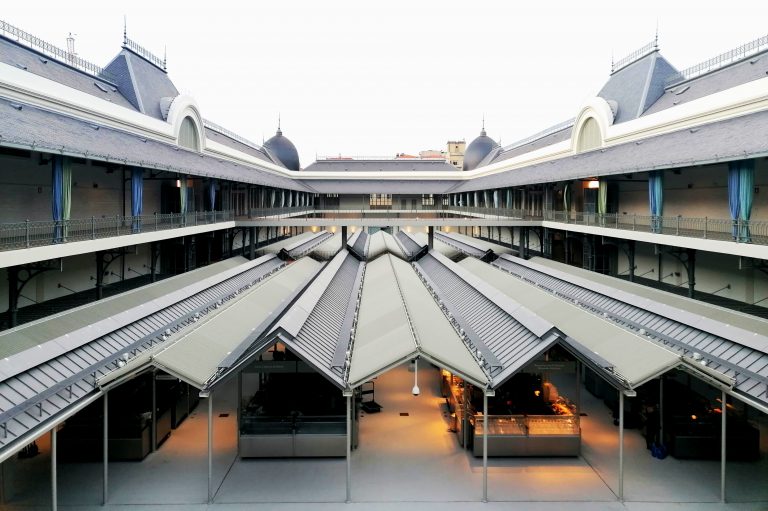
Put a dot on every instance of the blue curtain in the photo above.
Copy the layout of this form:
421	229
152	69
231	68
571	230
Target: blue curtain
212	194
137	196
656	198
734	175
57	185
741	182
183	195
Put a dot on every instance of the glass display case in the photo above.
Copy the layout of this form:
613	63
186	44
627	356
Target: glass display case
532	435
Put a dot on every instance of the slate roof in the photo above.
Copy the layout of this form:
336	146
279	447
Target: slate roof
31	127
37	63
143	83
403	165
637	86
747	70
223	139
722	141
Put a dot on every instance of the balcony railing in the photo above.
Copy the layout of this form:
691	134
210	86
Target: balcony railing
35	234
740	231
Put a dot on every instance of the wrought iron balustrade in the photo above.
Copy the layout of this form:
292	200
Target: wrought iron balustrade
28	234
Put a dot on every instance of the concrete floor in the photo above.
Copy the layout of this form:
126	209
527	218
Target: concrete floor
411	462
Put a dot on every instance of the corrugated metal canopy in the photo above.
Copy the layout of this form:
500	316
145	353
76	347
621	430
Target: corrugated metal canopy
438	340
728	349
198	354
382	242
63	332
383	336
314	326
631	356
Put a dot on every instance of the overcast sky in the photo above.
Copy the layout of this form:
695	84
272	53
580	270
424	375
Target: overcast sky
377	78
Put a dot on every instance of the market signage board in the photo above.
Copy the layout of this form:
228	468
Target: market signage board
556	366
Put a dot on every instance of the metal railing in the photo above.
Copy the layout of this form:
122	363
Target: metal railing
444	212
144	53
739	231
719	61
635	56
53	51
41	233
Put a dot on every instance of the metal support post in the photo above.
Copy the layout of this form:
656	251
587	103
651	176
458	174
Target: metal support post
691	267
631	257
621	446
239	408
99	275
13	295
343	235
210	448
723	437
349	448
485	445
105	477
661	410
54	481
154	410
252	241
431	237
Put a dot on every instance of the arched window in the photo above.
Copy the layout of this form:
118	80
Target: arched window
188	135
590	136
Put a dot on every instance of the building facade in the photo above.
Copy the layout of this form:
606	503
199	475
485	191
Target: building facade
123	205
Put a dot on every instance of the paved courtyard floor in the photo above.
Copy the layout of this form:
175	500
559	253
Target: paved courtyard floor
403	462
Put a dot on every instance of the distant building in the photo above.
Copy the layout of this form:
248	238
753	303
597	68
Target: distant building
456	153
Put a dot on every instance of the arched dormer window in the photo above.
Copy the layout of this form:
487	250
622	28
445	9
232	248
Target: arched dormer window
188	136
590	137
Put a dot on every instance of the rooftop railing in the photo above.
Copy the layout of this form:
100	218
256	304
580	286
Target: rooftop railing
29	234
719	61
231	134
635	56
53	51
144	53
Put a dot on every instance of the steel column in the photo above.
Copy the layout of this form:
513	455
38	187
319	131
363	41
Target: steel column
210	448
154	410
54	481
431	237
485	446
343	235
105	476
723	457
252	241
349	448
661	410
239	406
621	446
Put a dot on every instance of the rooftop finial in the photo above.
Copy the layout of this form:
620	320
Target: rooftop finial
165	58
656	38
482	132
613	62
125	29
279	131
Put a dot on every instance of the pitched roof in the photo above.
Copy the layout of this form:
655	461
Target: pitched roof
637	86
31	127
143	83
732	139
25	58
401	165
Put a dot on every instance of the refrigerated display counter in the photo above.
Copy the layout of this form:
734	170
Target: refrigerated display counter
528	435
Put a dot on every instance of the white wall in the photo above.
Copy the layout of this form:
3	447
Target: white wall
713	271
76	275
695	192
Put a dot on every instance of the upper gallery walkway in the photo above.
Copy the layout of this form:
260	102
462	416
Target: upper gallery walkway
25	241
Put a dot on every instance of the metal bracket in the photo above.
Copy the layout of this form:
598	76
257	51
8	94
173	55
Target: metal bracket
19	276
